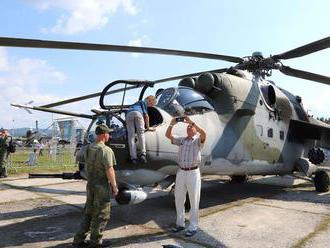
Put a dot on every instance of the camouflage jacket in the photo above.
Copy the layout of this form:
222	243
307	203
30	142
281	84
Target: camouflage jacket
3	147
98	157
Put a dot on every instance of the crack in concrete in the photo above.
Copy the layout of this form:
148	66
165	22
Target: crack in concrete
323	226
284	208
30	189
229	206
41	185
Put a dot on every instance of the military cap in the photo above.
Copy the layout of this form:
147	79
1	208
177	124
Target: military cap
101	129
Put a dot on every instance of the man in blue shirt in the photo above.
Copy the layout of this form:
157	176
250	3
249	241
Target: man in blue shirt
137	119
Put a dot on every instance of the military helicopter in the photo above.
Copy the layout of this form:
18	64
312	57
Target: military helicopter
253	126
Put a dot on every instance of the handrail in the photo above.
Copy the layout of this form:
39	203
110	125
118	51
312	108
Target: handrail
130	82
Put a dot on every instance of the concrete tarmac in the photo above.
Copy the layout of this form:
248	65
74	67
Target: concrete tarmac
264	212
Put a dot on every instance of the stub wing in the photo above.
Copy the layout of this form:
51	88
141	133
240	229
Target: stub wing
302	130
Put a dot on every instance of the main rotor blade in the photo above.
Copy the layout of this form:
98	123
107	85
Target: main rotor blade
163	80
304	50
305	75
49	110
19	42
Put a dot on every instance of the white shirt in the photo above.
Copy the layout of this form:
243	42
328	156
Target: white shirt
189	151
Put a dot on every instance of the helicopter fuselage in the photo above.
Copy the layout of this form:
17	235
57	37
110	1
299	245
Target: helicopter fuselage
253	127
247	122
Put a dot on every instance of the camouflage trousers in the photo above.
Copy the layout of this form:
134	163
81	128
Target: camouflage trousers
96	214
3	168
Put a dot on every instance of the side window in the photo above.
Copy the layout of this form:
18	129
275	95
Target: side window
270	133
282	135
119	130
90	136
259	130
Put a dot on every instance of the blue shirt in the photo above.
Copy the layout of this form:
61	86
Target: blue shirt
140	106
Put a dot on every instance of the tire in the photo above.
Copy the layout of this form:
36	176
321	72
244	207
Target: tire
321	181
238	179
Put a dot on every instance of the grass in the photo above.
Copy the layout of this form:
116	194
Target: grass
64	161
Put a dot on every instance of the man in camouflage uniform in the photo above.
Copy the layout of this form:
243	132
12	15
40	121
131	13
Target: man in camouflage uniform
3	152
99	160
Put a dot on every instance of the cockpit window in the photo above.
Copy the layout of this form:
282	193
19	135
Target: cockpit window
118	129
177	101
90	135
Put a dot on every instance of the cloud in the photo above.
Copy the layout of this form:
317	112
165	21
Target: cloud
20	82
3	59
83	15
318	104
138	43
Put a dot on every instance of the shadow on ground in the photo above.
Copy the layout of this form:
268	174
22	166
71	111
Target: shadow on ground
156	214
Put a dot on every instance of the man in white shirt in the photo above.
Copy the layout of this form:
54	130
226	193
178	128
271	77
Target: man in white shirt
188	178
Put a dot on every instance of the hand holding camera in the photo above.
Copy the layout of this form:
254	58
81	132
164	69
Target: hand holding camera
188	120
180	119
184	119
173	121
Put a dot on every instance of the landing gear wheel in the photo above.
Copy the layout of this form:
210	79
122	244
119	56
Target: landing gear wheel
239	179
321	181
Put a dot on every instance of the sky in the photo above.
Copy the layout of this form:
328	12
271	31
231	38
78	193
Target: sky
235	28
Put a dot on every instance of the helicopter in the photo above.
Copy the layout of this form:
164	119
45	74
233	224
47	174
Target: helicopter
253	127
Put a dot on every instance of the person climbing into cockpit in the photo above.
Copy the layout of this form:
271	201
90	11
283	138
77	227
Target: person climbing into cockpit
137	120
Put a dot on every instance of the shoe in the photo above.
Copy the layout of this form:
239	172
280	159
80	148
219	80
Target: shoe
143	159
80	244
177	229
190	233
105	243
133	161
172	246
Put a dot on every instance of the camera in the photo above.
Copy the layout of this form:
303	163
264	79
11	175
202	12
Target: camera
179	119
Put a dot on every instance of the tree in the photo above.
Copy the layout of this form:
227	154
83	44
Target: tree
325	120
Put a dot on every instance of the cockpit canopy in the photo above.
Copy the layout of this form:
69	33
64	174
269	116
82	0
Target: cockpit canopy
177	101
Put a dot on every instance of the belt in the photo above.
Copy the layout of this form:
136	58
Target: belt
189	169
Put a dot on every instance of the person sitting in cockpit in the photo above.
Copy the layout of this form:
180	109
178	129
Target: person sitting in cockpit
137	119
